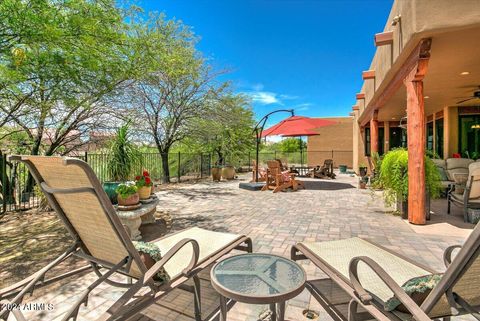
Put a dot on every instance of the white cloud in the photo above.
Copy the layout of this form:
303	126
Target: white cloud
264	97
258	87
303	107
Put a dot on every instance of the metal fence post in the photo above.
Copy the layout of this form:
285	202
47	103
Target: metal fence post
275	154
4	183
178	168
249	162
201	166
86	157
332	154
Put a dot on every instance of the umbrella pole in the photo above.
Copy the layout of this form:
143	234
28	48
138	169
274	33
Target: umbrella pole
258	133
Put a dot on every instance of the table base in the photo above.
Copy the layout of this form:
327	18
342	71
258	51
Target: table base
277	309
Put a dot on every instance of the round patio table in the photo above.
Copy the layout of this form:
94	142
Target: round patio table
258	279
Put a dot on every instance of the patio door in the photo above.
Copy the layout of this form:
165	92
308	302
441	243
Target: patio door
398	137
469	136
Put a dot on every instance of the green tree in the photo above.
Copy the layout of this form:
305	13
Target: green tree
174	89
58	59
226	130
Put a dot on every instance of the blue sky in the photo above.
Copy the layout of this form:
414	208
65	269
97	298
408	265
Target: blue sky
306	55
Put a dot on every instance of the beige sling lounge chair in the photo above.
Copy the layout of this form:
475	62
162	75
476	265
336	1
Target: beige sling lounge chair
76	195
367	275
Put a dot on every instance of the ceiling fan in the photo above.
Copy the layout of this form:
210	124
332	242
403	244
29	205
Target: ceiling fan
476	95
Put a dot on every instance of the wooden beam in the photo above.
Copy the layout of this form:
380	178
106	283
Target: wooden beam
360	96
384	38
369	74
374	134
416	141
355	107
421	51
352	113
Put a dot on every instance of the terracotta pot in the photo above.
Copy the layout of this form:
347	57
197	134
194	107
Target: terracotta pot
144	192
216	174
131	200
228	172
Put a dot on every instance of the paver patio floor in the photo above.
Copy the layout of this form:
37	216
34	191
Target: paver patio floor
325	210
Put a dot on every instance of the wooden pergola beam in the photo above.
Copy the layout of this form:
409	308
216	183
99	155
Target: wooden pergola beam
381	98
368	74
383	38
360	96
355	107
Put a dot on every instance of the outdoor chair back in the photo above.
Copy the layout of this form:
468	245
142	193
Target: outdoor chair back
473	182
458	288
457	166
77	196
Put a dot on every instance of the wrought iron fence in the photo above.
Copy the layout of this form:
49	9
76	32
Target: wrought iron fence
18	192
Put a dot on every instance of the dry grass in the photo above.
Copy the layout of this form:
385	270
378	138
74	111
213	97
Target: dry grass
30	240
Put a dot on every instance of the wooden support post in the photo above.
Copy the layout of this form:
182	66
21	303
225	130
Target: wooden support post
416	137
374	134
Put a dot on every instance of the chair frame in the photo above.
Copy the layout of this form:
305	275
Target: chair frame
276	181
122	309
360	297
465	203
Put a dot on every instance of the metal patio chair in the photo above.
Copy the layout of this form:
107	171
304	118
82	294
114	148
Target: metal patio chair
470	199
76	195
362	276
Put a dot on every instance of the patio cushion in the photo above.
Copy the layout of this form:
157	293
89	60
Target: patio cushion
338	254
209	242
457	165
474	170
417	288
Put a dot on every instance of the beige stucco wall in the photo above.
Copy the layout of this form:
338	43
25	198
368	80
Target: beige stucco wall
337	138
419	19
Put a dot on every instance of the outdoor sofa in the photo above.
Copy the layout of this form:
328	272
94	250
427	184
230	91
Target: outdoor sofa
76	195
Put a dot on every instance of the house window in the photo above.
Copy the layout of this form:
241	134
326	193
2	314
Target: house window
439	137
469	136
398	137
381	135
430	136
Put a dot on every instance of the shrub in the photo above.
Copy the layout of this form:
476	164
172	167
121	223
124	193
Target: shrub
394	176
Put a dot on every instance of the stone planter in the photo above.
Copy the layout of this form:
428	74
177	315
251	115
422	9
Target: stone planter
402	207
144	192
131	200
473	215
228	172
216	174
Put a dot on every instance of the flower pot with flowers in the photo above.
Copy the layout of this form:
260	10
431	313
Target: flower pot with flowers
144	184
127	194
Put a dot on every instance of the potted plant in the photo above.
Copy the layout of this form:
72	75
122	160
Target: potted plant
363	170
228	172
122	157
216	173
362	182
394	179
127	194
144	185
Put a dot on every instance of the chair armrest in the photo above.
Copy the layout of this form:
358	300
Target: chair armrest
447	255
366	298
193	261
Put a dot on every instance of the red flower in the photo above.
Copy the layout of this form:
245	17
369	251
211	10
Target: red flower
148	181
145	173
137	178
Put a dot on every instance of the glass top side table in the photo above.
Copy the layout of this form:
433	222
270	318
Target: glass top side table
258	279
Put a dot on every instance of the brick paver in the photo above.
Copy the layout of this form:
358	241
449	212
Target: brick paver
326	210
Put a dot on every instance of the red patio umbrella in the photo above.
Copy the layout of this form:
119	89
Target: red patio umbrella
297	126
